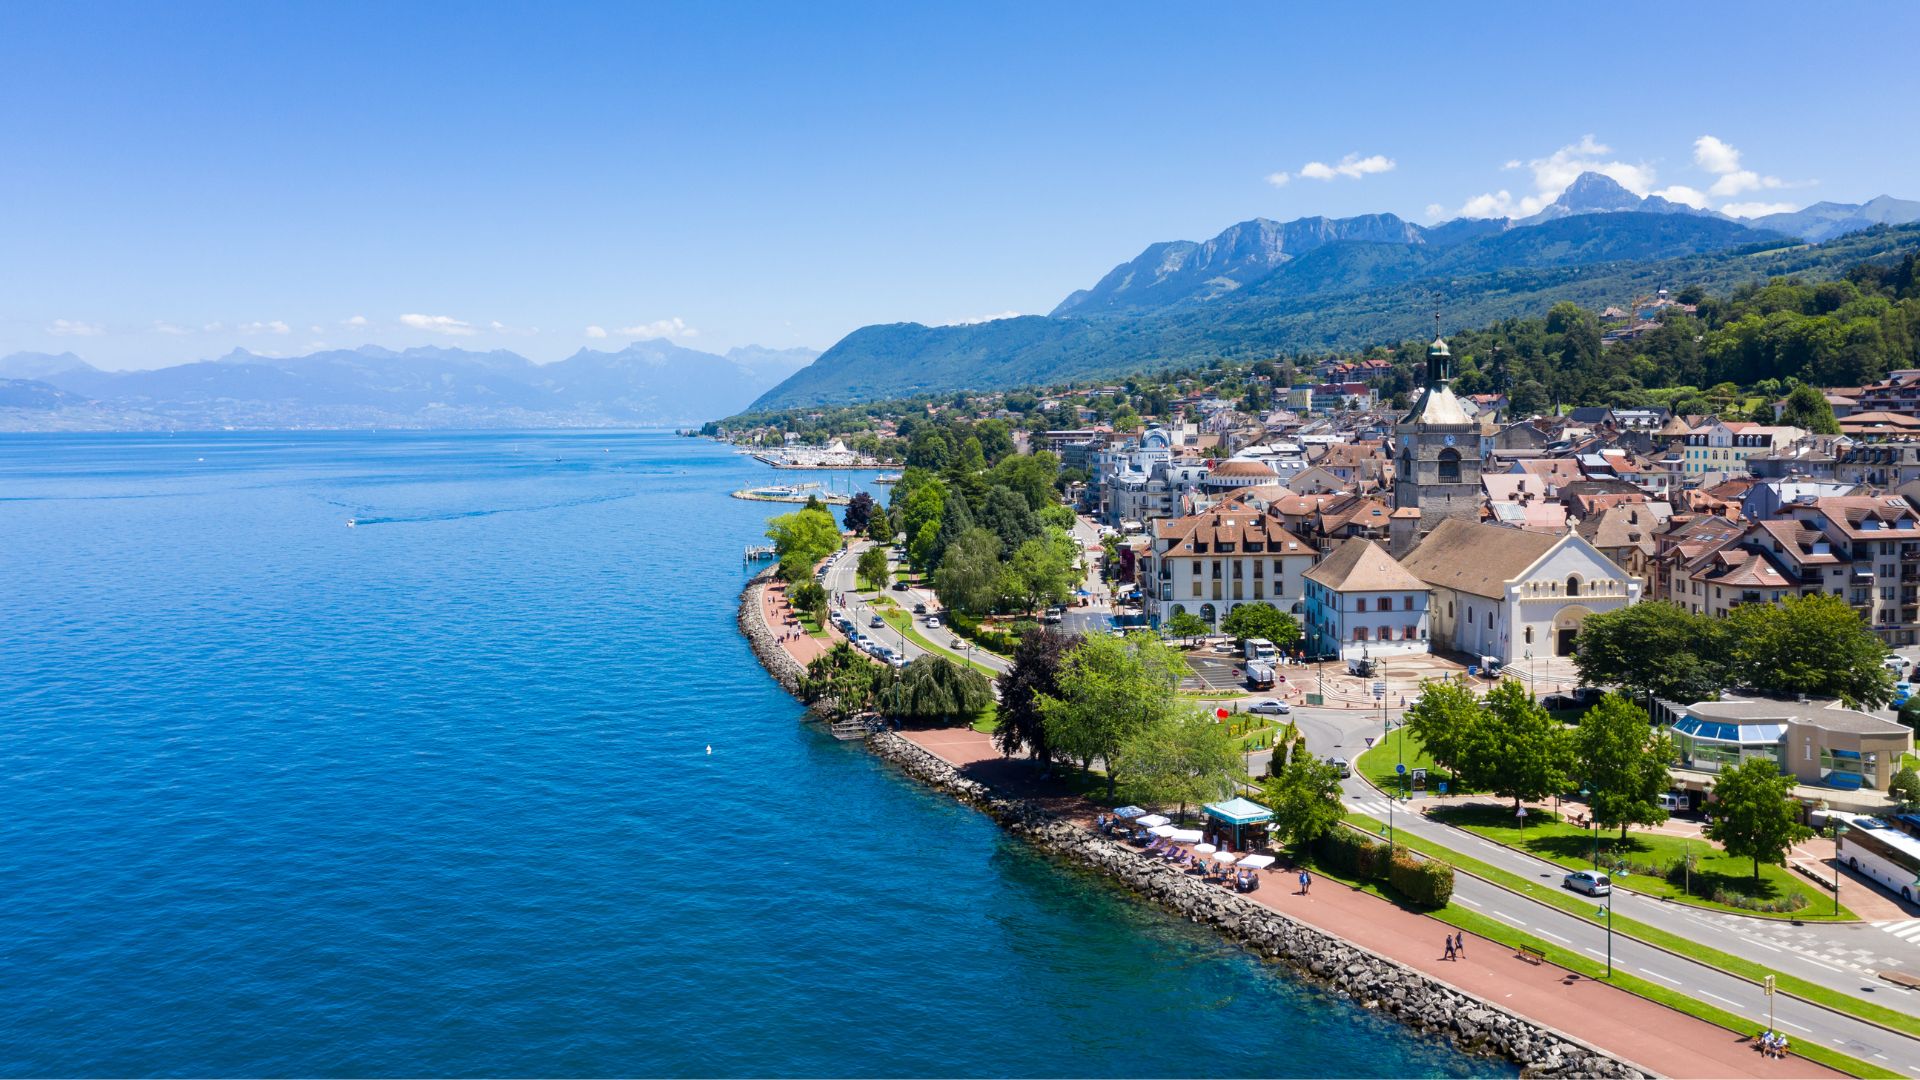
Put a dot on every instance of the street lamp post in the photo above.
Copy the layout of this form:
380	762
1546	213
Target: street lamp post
1587	794
1838	828
1609	929
1533	683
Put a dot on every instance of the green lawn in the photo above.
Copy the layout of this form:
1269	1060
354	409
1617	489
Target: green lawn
1490	929
1378	763
1571	846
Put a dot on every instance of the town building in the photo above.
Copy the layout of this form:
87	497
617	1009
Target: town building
1361	603
1507	594
1723	446
1210	563
1819	743
1436	457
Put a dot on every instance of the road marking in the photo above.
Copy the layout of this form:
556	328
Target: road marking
1598	953
1663	978
1554	936
1793	1025
1509	918
1764	945
1817	963
1469	903
1717	997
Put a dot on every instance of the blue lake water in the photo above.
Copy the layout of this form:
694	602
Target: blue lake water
431	796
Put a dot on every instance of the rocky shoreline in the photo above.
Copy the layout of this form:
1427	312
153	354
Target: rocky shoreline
1416	999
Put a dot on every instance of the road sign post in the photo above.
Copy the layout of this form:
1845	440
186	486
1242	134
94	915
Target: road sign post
1769	989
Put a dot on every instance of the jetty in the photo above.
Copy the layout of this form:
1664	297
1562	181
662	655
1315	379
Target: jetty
793	493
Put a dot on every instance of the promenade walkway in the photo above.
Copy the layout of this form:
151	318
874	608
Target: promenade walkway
779	618
1633	1028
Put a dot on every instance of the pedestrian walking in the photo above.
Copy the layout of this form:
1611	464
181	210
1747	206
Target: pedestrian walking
1460	943
1450	953
1303	883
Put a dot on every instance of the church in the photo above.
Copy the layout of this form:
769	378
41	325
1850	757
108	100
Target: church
1436	455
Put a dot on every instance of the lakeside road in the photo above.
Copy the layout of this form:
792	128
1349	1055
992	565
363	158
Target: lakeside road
1632	1028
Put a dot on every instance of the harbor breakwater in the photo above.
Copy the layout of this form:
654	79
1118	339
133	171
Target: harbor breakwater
1420	1001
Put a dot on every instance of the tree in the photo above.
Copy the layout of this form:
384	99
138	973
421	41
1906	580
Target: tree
1444	720
808	596
1036	574
1754	815
1807	408
1186	757
1005	512
921	546
873	566
955	519
1110	688
801	539
935	688
841	681
1813	645
858	513
1305	799
1517	749
1032	675
1905	786
1623	763
1186	625
1262	620
1655	648
969	579
1031	475
880	526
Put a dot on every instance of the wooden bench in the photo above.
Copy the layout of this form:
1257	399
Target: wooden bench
1531	955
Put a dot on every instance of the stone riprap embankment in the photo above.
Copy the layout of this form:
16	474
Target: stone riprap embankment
760	637
1412	997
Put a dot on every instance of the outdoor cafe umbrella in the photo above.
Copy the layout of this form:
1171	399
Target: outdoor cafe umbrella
1186	836
1163	830
1256	862
1152	821
1225	858
1204	849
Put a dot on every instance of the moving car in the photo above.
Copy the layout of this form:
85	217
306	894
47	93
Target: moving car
919	609
900	586
1270	705
876	622
933	622
1345	767
1591	882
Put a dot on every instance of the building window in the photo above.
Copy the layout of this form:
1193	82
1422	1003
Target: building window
1359	633
1449	466
1529	635
1573	584
1411	632
1361	604
1449	609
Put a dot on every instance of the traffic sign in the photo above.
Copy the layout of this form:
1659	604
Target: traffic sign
1380	688
1400	769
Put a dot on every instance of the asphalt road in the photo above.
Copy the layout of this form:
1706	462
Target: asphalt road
840	580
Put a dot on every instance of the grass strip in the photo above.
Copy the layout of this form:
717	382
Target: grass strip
903	622
1491	929
1750	970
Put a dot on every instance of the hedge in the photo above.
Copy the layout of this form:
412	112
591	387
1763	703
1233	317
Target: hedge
1426	882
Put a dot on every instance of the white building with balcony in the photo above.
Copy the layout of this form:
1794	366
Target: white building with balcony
1208	564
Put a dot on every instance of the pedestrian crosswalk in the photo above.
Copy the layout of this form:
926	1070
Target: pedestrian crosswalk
1904	929
1371	807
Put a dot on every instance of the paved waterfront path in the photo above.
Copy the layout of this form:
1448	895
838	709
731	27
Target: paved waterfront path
1641	1031
779	619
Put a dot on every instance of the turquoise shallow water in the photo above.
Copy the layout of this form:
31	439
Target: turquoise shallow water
430	796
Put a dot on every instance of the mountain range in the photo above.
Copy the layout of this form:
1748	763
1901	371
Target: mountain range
1263	287
647	384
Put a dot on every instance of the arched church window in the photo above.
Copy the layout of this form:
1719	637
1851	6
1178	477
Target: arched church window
1573	584
1449	466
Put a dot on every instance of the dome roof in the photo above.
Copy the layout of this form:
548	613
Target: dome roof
1438	348
1242	469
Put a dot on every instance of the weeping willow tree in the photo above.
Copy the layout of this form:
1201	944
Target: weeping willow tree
935	688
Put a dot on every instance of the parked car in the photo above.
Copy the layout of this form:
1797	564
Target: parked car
1345	767
1591	882
1270	705
876	622
1897	663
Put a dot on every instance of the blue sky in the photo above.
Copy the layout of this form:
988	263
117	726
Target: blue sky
176	181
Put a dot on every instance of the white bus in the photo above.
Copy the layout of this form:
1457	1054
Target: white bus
1872	847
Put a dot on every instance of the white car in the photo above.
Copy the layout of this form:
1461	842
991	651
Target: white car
933	622
1591	882
1897	663
1270	705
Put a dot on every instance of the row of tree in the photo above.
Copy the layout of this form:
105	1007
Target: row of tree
1814	645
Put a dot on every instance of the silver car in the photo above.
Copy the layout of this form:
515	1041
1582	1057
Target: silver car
1591	882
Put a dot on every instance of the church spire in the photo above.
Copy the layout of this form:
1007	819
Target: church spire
1439	358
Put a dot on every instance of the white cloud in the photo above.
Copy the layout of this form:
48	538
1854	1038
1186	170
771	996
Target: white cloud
161	326
976	320
1552	174
1715	156
436	324
596	332
1681	193
672	329
1734	183
1434	210
357	320
214	327
1352	166
497	326
276	326
1756	209
74	328
1279	179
